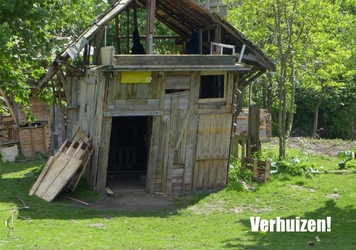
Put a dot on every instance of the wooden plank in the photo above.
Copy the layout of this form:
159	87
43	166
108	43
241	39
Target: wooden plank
76	200
218	141
72	149
161	148
166	156
152	160
226	135
195	183
192	129
212	135
221	173
190	152
184	127
201	133
132	107
72	184
229	92
55	169
178	82
201	174
212	175
174	60
41	176
174	110
62	179
133	113
142	101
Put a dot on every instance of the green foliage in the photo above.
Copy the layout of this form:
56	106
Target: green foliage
30	32
336	114
313	46
348	159
350	164
236	172
294	167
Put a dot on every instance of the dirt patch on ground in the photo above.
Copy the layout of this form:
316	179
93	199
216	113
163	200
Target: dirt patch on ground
317	146
133	201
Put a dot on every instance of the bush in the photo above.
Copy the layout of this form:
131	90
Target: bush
236	172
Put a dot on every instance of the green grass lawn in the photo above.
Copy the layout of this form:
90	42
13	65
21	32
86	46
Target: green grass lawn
215	220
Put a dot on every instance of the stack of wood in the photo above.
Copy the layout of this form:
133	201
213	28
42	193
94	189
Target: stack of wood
64	169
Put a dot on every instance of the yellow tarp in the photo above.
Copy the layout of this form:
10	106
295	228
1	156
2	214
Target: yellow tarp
136	77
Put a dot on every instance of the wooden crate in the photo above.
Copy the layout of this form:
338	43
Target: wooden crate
260	169
33	139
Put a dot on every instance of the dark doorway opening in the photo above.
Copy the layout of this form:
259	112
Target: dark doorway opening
128	154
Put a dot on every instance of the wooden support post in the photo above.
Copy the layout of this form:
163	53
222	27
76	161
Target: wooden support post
254	126
243	147
200	32
117	27
243	161
255	168
217	34
151	11
134	14
267	171
128	31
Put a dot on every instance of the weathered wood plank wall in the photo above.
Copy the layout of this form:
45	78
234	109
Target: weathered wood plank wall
188	142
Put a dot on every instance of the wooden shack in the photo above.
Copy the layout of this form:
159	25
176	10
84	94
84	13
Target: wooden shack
161	120
32	136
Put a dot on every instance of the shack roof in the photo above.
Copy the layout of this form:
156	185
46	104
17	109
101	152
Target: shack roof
181	16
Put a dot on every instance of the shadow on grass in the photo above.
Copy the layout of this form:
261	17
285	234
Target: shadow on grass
15	191
343	226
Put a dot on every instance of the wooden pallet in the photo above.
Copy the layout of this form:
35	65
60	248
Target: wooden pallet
64	169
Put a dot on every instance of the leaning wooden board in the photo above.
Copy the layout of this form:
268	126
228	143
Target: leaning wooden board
65	168
56	177
62	179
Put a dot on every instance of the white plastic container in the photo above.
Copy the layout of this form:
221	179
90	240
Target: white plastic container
9	153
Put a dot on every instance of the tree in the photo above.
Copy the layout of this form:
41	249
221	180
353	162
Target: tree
293	33
29	32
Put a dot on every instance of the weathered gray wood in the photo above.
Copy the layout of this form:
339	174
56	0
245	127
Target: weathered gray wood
229	92
41	176
133	113
172	139
192	128
166	157
184	127
152	159
178	82
168	60
62	179
55	169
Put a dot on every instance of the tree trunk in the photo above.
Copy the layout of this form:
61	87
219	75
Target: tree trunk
316	115
8	104
292	101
